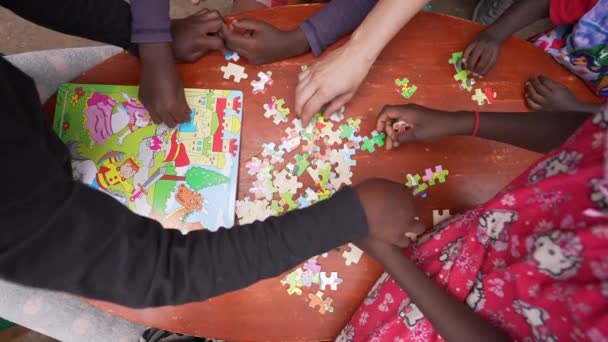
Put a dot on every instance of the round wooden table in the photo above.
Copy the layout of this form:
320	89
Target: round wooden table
478	169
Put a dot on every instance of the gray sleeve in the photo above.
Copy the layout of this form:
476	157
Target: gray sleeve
334	21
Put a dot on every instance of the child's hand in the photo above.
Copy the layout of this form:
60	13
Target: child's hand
263	43
544	94
195	35
481	55
420	124
390	212
160	88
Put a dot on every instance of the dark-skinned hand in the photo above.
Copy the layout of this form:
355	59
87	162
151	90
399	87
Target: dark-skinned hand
389	208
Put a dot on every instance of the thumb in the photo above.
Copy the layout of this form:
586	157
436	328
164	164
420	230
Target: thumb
249	24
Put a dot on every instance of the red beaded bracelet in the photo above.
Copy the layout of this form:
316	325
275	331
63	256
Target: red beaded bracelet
476	127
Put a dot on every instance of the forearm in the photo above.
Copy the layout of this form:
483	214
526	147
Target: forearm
452	319
535	131
382	24
84	242
337	19
151	21
521	14
107	21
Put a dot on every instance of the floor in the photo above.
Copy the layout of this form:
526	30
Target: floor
21	36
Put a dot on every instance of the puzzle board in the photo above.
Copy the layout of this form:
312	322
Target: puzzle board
184	177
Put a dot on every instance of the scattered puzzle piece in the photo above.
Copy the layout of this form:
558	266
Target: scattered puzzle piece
301	163
438	218
332	281
293	280
463	77
274	109
353	255
339	115
317	300
487	96
235	71
439	174
232	56
259	86
369	144
414	182
276	207
456	60
403	89
331	137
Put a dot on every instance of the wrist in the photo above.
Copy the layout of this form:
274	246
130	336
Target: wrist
366	52
156	53
464	123
296	43
494	33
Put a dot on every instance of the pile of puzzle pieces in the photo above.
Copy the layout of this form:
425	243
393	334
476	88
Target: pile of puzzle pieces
467	82
430	177
311	278
324	152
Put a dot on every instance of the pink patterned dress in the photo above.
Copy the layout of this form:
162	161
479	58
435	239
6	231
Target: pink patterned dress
533	261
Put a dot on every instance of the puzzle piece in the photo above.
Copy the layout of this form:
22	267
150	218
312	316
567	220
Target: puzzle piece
293	280
356	123
256	166
318	171
323	304
274	109
347	155
270	150
331	137
259	86
339	115
353	255
456	60
488	95
438	218
284	182
323	193
346	131
302	163
312	266
235	71
249	211
291	141
414	182
287	199
403	89
263	189
332	281
276	207
232	56
439	174
369	144
463	77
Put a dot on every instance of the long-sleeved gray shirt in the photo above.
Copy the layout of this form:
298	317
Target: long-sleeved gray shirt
62	235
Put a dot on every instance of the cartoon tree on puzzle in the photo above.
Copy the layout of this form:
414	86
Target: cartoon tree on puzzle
198	178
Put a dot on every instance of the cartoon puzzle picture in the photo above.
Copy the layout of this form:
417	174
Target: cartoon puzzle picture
184	177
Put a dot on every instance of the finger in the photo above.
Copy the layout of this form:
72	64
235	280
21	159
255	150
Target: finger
473	60
540	88
549	83
212	43
304	91
304	74
336	104
484	61
235	41
532	104
488	63
250	24
533	94
210	26
467	53
169	120
313	105
212	15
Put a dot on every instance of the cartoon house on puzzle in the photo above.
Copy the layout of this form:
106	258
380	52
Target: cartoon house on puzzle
203	136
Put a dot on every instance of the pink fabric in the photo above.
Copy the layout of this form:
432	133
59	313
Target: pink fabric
530	260
273	3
